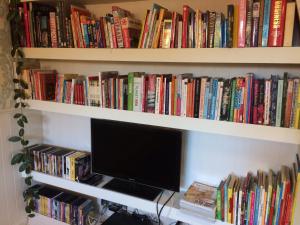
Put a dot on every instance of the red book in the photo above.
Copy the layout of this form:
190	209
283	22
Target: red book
53	34
114	37
284	201
242	18
173	31
277	22
26	24
185	26
272	208
173	94
102	31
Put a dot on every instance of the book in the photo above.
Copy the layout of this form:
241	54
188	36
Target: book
289	24
277	22
242	4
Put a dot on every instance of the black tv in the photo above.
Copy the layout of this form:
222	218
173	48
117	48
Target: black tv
143	158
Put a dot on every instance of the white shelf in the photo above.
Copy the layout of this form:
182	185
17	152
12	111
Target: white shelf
283	55
258	132
44	220
171	210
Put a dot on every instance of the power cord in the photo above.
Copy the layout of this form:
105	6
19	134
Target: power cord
160	211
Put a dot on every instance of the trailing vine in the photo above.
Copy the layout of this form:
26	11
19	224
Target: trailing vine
23	157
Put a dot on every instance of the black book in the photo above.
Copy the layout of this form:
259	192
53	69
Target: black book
167	92
229	34
92	179
82	166
225	105
261	102
75	209
197	97
125	94
284	94
274	90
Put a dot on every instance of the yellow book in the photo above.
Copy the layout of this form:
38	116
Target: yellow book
297	116
67	213
296	206
158	25
72	164
230	198
289	24
235	26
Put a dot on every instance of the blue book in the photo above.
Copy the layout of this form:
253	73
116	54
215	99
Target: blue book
279	203
224	33
265	31
86	35
206	100
257	201
214	98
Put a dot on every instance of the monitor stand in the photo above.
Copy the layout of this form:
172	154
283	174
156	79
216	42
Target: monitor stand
132	188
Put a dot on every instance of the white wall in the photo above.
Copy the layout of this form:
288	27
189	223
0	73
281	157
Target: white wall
206	157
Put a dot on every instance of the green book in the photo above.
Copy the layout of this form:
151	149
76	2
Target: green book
130	91
233	87
279	103
219	202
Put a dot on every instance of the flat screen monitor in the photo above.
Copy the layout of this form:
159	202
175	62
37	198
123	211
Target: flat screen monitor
148	155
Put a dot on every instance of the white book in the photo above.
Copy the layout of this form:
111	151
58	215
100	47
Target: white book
72	91
137	101
220	100
239	206
179	40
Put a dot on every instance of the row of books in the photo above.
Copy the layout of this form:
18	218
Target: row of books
61	162
262	199
244	99
263	23
266	23
265	198
66	25
63	206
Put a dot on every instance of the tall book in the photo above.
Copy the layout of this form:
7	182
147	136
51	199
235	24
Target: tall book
242	18
266	23
277	22
230	27
289	24
255	24
249	22
261	22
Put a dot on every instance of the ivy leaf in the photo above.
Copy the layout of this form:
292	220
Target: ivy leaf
20	53
23	167
14	139
18	69
31	215
17	158
17	115
17	95
17	105
24	119
16	81
28	180
24	105
20	123
28	209
31	204
21	132
23	84
28	170
24	142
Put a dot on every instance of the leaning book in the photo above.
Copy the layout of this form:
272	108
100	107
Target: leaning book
200	199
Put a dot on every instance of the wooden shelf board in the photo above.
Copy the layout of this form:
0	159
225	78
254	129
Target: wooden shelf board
258	132
282	55
171	210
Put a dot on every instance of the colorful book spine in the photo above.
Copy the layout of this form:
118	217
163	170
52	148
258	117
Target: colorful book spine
242	15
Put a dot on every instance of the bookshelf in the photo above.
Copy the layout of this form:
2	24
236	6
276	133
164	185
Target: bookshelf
283	55
171	210
273	146
259	132
45	220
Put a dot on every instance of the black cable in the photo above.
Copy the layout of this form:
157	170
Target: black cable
157	213
163	206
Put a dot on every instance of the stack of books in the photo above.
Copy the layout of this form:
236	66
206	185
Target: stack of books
61	162
200	199
267	23
67	25
243	99
265	198
63	206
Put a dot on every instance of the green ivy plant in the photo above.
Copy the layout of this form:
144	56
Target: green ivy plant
23	157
